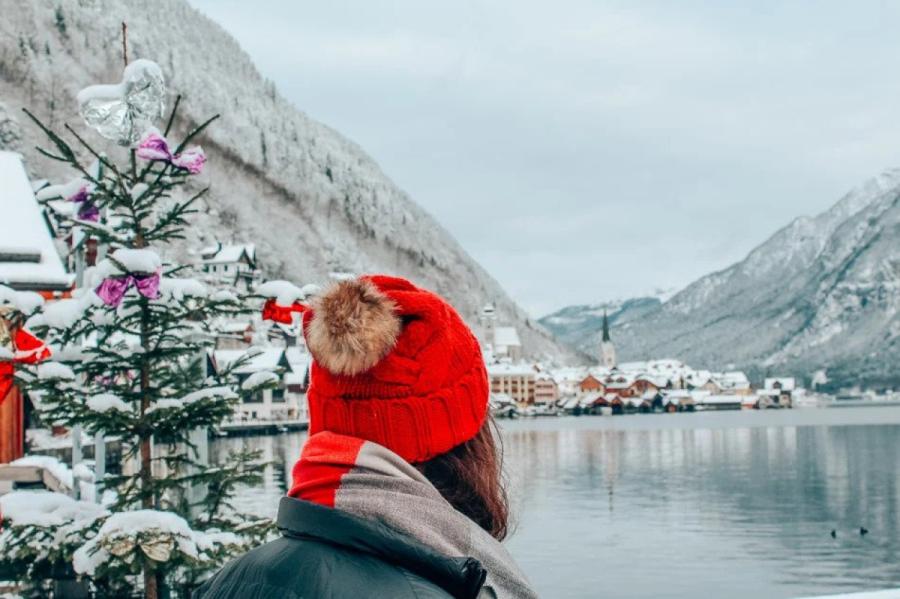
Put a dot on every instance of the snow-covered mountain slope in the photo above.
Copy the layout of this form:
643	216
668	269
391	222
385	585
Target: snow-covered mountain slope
823	292
580	326
311	200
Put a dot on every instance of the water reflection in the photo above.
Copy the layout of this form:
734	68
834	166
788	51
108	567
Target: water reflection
730	505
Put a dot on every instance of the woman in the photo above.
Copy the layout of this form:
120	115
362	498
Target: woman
398	489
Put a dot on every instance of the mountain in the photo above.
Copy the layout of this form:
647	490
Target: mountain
580	326
821	293
311	200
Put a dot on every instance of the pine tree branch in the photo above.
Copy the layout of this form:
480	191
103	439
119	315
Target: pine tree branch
194	133
172	115
63	147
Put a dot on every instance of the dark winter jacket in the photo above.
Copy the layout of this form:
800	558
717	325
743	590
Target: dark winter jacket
330	553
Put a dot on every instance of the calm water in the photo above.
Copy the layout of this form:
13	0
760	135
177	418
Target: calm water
730	504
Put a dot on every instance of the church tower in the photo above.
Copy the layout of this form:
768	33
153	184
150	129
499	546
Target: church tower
607	349
488	321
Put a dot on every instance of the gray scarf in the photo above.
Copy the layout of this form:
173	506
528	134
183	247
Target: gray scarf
383	486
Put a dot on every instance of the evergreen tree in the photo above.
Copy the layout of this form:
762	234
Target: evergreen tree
130	353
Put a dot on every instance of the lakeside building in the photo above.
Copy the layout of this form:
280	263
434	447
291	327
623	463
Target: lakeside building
514	380
284	401
546	390
780	391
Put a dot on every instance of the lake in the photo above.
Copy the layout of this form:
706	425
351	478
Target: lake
714	504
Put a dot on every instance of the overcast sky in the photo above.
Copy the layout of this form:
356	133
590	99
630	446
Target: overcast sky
583	150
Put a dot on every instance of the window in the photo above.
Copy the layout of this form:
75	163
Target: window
256	397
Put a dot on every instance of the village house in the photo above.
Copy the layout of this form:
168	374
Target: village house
233	264
546	390
702	380
646	385
514	380
733	383
278	404
780	390
591	384
708	401
235	334
678	400
29	262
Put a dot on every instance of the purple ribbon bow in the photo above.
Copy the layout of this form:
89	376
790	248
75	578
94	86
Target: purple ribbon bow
155	147
88	209
113	289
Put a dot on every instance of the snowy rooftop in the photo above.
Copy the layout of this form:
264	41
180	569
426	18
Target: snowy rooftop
731	380
28	258
784	383
228	254
507	369
268	358
506	337
235	326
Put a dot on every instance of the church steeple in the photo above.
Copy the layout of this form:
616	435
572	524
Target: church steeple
607	349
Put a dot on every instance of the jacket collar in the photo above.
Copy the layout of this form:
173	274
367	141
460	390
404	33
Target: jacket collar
461	577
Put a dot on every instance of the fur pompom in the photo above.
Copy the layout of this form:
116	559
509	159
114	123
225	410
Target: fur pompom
354	326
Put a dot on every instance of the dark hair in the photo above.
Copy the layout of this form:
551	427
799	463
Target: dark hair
470	478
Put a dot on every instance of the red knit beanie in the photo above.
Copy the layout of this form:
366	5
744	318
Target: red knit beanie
396	365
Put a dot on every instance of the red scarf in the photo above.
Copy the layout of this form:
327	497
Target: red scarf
326	457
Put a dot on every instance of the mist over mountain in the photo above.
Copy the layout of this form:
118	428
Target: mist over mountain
311	200
821	293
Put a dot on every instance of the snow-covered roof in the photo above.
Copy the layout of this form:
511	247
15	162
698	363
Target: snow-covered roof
28	258
731	380
787	383
268	358
228	254
235	326
298	357
619	380
571	403
654	379
507	369
506	337
501	399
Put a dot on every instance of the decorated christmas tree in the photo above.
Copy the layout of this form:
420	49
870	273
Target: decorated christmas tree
126	358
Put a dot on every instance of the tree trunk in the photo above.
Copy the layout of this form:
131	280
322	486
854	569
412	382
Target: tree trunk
151	576
151	583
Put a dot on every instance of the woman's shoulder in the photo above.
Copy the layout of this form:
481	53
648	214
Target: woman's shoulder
291	567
